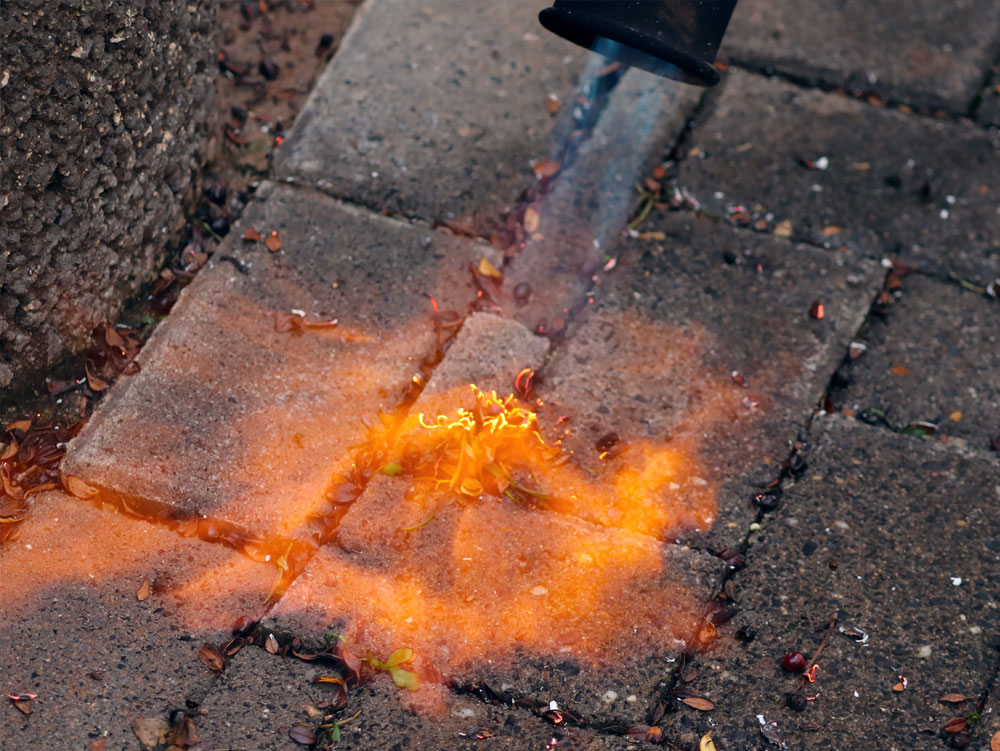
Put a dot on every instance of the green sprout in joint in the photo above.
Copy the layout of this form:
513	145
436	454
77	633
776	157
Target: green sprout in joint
392	666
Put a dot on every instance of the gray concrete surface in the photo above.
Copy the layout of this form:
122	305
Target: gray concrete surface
443	121
922	53
893	184
261	696
77	635
935	357
700	342
687	370
105	113
885	534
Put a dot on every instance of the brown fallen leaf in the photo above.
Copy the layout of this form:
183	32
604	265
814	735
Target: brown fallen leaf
273	242
142	593
96	384
23	705
212	657
23	425
552	104
900	370
955	725
830	230
100	744
899	687
303	735
955	698
546	168
488	269
8	452
251	235
699	702
75	486
995	742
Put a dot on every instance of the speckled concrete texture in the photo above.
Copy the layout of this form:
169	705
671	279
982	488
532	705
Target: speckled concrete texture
841	172
893	537
105	111
923	53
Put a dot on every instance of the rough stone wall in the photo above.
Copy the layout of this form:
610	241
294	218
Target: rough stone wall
105	114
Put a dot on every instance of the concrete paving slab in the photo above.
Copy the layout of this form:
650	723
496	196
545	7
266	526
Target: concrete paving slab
442	126
881	181
697	364
260	696
489	352
892	536
585	208
488	589
935	358
924	53
77	634
500	589
233	418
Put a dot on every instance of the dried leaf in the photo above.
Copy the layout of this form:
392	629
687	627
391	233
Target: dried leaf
22	425
233	646
955	698
707	744
23	706
303	735
113	338
783	228
142	593
899	687
995	740
96	384
271	644
273	242
9	451
251	235
552	104
488	269
831	230
100	744
699	702
546	168
212	657
531	220
956	725
900	370
75	486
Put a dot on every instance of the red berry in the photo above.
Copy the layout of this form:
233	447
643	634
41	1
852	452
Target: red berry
793	662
